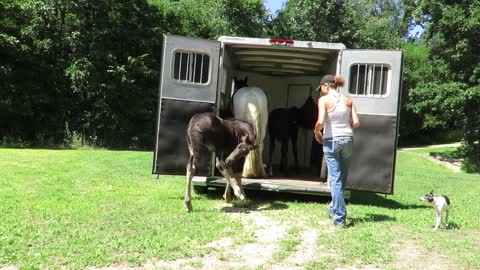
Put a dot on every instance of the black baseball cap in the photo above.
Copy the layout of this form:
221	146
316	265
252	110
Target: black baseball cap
326	79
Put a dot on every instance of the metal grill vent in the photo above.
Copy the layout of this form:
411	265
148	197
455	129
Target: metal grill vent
369	79
191	67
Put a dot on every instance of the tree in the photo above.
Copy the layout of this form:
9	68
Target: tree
453	29
211	19
379	24
114	69
307	20
74	66
90	69
375	24
452	33
245	18
32	51
417	71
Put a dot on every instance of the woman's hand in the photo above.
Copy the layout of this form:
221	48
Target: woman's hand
318	136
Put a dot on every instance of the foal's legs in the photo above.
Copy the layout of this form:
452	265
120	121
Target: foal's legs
238	180
227	195
190	174
237	189
226	172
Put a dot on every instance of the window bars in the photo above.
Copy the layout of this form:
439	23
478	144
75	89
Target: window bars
191	67
369	79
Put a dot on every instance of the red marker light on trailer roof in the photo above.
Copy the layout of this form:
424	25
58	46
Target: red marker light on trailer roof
281	41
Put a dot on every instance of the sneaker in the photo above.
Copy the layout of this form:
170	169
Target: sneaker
338	225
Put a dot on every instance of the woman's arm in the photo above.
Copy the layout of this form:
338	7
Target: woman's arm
354	117
322	110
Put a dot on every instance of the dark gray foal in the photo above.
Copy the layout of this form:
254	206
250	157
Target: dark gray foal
231	140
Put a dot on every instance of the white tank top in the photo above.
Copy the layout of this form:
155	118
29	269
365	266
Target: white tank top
337	122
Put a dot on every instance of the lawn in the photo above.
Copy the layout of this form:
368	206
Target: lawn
79	208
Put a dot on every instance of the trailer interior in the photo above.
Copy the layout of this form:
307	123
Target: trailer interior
289	76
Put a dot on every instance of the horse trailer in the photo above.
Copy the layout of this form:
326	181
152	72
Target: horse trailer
197	75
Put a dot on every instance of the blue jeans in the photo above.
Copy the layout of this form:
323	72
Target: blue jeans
338	153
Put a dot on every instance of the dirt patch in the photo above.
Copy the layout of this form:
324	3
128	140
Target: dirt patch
224	255
8	267
363	267
268	231
305	252
267	234
449	162
410	255
454	164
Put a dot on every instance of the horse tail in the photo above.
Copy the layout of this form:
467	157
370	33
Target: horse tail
256	113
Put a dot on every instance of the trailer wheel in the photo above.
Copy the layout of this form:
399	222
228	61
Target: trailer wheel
200	190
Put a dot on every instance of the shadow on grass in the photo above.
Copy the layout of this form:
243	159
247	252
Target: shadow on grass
370	218
267	200
261	200
366	198
253	206
453	226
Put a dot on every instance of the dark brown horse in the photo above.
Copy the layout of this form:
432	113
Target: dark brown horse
231	140
283	125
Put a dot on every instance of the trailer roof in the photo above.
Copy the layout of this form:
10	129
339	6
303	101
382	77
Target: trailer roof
278	57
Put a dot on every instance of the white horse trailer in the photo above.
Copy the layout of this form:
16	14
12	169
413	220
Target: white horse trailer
197	76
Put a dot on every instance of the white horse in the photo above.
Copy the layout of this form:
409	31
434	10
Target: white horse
250	105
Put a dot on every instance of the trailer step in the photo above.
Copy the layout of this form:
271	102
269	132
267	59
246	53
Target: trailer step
287	185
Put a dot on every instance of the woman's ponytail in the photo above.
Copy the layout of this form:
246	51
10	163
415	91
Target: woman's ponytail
339	81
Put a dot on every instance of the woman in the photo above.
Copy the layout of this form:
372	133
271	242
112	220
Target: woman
338	117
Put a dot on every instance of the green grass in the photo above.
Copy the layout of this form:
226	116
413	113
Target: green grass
78	208
378	222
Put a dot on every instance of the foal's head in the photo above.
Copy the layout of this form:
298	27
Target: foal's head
247	132
245	139
240	151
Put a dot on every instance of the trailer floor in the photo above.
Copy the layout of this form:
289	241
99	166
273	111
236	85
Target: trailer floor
289	185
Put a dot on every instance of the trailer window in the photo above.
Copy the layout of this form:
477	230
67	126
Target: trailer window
369	79
191	67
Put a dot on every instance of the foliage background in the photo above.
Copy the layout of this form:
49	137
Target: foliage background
86	72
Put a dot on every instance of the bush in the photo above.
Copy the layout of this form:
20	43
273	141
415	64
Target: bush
451	106
471	162
11	142
472	129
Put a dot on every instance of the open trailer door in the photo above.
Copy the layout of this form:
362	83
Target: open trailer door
188	85
373	81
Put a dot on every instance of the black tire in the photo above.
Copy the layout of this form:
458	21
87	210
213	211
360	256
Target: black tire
200	190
